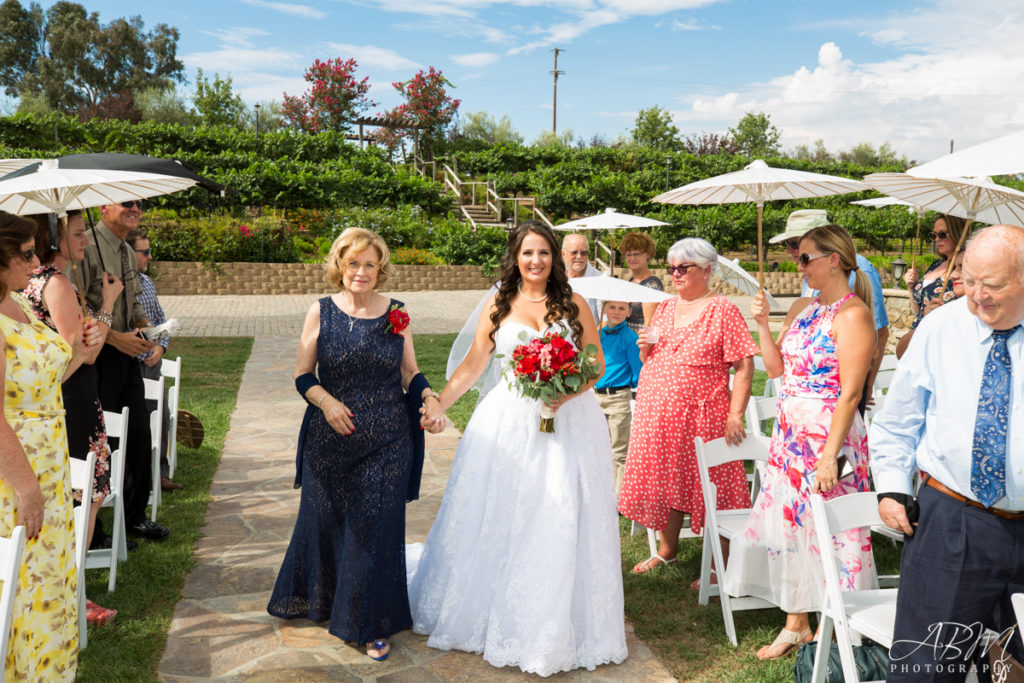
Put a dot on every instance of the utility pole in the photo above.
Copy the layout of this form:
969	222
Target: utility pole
554	96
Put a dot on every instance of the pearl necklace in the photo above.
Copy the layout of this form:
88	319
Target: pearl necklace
690	303
528	298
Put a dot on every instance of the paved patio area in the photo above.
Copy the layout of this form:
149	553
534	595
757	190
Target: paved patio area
221	630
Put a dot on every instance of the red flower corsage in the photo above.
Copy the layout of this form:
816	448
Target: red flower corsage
398	320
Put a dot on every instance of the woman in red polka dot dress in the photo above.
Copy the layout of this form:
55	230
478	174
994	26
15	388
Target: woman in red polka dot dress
692	343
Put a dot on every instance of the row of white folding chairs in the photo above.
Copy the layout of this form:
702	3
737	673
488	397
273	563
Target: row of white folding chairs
11	552
157	390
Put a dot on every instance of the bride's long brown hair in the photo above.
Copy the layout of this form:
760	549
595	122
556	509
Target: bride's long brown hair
559	302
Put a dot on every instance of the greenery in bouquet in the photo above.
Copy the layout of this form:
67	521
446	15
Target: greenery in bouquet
549	366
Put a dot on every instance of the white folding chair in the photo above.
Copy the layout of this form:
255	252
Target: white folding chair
1017	599
171	370
155	392
117	428
11	551
724	524
868	613
83	472
883	380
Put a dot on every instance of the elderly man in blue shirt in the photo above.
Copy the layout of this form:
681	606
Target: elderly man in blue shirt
798	224
955	413
621	373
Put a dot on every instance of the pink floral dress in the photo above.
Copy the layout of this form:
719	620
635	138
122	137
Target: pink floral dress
775	555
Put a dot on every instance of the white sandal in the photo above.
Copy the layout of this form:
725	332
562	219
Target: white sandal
646	565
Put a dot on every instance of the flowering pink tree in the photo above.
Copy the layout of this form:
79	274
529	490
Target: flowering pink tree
334	98
428	104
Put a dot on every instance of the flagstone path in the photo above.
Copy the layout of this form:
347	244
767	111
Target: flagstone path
221	630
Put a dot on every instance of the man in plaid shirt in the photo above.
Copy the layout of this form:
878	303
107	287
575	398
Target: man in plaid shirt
150	361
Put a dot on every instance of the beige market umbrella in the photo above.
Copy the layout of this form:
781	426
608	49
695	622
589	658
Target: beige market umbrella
609	220
976	199
1002	156
758	182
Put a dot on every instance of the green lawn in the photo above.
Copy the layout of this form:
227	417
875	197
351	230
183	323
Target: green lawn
149	584
689	640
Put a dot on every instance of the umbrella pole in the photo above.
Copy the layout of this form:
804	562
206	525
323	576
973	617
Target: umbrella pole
917	242
760	248
952	259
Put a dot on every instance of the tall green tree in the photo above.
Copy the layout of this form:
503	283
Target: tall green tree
479	125
756	136
654	128
216	102
79	64
164	105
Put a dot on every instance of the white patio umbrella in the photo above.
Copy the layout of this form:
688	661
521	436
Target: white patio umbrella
608	288
882	202
732	273
8	165
49	188
971	198
609	220
758	182
1002	156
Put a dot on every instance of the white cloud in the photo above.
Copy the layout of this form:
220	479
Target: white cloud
238	36
692	25
373	57
234	60
476	59
304	11
935	90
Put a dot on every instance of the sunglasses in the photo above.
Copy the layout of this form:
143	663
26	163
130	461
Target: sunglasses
681	269
939	235
792	244
144	252
804	259
29	254
134	202
577	252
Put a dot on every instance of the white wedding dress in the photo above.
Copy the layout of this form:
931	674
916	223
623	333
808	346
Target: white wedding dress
522	563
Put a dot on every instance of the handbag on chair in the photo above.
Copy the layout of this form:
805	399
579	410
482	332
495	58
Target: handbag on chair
871	660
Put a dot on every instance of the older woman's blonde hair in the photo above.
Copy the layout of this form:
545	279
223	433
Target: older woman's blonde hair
638	241
355	241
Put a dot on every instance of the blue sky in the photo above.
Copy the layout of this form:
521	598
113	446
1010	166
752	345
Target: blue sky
916	74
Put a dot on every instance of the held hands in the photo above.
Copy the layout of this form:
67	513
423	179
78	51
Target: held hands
759	309
433	420
734	431
338	416
826	474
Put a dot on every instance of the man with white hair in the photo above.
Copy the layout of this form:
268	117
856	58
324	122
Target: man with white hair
575	249
955	412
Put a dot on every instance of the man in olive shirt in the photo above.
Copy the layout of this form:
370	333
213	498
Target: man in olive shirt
120	380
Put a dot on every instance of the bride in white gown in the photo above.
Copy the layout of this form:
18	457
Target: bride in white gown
522	563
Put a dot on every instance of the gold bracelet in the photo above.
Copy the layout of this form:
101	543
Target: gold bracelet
322	399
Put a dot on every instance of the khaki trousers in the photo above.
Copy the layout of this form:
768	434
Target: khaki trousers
619	416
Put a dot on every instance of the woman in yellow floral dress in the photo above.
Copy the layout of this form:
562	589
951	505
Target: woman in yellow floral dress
35	484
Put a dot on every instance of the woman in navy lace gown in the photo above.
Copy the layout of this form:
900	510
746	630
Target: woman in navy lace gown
346	559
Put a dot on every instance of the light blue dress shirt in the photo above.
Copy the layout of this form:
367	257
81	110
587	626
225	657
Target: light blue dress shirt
877	298
928	417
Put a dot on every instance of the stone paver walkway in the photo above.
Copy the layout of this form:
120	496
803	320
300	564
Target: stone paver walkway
221	630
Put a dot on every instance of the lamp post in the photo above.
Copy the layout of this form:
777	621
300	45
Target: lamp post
510	224
257	108
899	268
668	167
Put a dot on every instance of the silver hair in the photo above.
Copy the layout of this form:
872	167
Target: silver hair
695	250
1004	234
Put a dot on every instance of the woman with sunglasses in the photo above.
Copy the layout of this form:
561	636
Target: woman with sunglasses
683	393
35	482
637	250
956	280
55	301
945	235
823	353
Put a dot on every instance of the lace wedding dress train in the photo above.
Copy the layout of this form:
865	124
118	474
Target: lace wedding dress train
522	563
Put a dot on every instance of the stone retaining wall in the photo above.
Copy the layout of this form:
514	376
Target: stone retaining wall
175	278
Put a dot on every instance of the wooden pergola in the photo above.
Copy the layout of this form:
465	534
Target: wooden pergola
379	122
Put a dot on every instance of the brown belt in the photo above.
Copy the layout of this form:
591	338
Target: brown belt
929	480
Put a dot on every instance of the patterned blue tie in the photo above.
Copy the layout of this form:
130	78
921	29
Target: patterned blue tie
988	456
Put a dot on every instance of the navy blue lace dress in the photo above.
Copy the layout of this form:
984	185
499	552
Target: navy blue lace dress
346	559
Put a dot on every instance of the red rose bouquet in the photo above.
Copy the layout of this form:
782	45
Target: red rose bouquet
550	366
398	320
